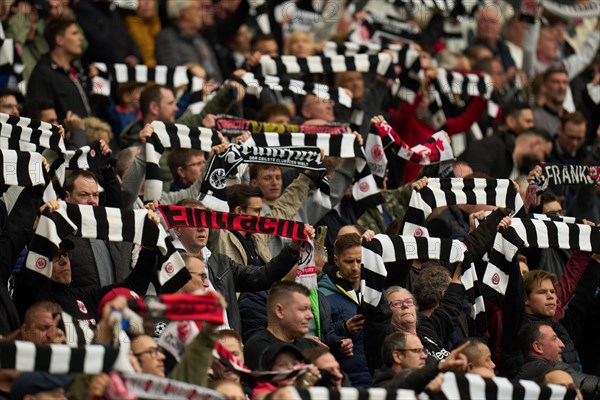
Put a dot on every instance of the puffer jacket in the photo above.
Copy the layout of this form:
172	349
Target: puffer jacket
343	307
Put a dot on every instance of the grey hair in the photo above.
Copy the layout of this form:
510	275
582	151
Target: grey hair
391	343
175	7
429	285
396	288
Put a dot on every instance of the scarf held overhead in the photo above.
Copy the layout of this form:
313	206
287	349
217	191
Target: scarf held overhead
557	174
233	126
177	307
187	217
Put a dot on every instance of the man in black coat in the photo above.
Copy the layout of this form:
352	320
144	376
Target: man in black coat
542	349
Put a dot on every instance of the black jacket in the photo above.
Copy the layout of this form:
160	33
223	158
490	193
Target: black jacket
49	81
82	303
434	331
228	277
491	155
412	378
15	235
535	367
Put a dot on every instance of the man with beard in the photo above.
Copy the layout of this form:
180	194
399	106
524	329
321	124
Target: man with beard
555	83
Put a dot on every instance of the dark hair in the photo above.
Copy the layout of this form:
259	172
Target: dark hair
485	64
393	342
42	305
281	291
514	110
273	109
4	91
528	334
575	118
127	87
179	158
57	26
69	185
428	286
238	195
553	69
33	108
261	37
345	242
151	94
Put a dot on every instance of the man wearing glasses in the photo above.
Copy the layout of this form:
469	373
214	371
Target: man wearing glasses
149	358
404	363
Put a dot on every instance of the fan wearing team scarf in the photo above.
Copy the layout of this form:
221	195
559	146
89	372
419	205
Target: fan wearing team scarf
228	277
81	302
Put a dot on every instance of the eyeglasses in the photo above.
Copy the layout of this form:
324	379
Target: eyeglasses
196	164
402	303
555	213
416	351
203	276
153	352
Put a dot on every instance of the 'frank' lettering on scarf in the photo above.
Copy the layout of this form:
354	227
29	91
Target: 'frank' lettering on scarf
178	216
557	174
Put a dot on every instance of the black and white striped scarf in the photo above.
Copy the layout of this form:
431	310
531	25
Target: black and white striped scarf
172	136
104	223
255	84
455	387
213	189
61	359
455	191
383	251
364	189
21	133
456	85
558	174
526	232
447	7
21	168
161	74
380	64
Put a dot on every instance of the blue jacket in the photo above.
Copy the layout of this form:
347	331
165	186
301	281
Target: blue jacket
343	307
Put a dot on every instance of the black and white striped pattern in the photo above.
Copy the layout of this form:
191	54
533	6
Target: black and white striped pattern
447	7
526	232
21	168
62	359
586	10
469	386
454	191
161	74
364	189
455	387
21	133
104	223
172	136
254	85
386	249
380	64
454	83
86	157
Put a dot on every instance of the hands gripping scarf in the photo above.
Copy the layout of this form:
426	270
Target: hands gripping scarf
213	189
105	223
228	125
453	191
557	174
434	150
364	188
172	136
526	232
381	253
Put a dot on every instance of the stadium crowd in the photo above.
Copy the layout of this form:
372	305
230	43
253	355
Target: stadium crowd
253	199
